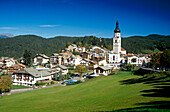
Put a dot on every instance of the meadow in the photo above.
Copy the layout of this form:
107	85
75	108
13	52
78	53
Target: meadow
123	91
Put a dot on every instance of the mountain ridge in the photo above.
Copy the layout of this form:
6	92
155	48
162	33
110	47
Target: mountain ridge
15	46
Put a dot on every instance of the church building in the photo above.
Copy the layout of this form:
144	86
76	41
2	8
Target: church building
115	58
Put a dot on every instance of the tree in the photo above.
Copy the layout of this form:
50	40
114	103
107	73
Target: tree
5	83
69	43
81	69
155	60
68	75
129	67
76	53
165	59
27	57
60	76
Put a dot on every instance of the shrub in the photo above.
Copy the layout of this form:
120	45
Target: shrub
52	82
112	73
71	68
39	83
60	78
129	67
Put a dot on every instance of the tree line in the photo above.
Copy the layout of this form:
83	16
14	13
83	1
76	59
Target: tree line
15	46
161	60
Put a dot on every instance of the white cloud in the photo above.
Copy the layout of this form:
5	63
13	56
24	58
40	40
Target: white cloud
49	25
7	28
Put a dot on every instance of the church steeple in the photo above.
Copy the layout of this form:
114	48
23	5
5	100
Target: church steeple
117	39
117	30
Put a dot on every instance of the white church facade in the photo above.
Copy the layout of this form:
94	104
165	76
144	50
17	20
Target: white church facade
116	57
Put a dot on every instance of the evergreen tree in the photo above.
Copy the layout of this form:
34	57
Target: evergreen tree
27	57
165	59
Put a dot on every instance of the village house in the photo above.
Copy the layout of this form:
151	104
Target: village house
72	47
63	68
8	62
85	62
39	68
92	65
102	70
15	68
54	58
86	55
29	76
41	59
136	60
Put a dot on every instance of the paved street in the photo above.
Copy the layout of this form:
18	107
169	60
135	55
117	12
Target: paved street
15	91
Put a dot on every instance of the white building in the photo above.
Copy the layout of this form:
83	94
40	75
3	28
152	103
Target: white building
62	68
117	41
72	47
9	62
136	60
29	76
41	59
102	70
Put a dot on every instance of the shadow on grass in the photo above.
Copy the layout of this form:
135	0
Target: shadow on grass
159	91
161	87
154	106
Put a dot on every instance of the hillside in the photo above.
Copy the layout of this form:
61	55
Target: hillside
15	46
117	92
139	44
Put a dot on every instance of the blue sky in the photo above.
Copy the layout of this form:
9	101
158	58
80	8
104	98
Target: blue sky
49	18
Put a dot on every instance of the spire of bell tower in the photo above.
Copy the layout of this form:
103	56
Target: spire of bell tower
117	30
117	39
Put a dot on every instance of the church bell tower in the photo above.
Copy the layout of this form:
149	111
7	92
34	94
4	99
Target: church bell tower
117	40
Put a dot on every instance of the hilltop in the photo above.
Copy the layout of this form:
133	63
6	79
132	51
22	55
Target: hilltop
6	35
15	46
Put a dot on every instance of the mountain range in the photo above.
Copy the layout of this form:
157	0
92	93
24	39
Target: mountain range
15	46
6	35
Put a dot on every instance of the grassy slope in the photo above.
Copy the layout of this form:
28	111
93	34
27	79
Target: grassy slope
18	87
99	94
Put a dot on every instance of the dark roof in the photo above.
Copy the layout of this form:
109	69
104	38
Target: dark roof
104	67
117	30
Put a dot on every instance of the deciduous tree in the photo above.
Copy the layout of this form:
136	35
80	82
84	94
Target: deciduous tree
81	69
155	60
5	83
69	43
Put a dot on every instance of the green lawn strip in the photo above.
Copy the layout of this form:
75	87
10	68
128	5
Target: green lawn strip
18	87
98	94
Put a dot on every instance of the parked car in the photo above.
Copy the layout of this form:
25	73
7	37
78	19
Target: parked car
69	81
85	75
75	75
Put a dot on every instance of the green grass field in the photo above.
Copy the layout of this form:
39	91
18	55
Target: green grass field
121	92
18	87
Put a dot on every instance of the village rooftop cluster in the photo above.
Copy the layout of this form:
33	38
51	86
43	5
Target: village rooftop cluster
99	61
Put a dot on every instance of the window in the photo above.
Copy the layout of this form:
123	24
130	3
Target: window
115	41
113	58
133	60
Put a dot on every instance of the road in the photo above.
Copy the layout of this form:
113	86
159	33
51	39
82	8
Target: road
15	91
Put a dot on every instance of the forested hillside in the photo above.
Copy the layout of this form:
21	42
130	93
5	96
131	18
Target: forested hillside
15	46
144	44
